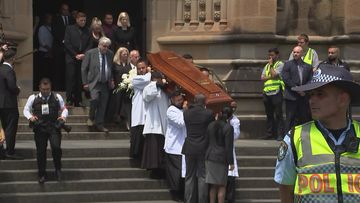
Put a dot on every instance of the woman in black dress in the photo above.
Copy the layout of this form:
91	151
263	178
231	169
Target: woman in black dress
124	35
219	155
96	31
120	103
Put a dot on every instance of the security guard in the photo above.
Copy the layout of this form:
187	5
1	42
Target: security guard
273	95
47	113
319	161
310	56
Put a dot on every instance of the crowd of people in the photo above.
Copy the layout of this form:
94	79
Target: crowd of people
279	78
189	143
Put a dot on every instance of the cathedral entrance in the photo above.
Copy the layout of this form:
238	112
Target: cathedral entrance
95	8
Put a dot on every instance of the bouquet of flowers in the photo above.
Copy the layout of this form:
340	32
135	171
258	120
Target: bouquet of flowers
126	84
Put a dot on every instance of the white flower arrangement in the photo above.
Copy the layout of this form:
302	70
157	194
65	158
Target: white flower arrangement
126	84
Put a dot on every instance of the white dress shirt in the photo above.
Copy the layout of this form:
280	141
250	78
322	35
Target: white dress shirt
28	106
175	132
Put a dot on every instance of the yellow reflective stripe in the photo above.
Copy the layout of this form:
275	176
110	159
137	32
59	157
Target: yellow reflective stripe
326	184
315	184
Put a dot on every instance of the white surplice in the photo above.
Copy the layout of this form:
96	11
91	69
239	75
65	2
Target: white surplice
139	82
235	123
156	105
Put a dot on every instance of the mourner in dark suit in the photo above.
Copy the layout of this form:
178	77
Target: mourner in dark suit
58	27
9	113
97	78
295	73
77	42
197	119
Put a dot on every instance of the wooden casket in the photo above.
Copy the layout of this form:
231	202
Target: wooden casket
189	78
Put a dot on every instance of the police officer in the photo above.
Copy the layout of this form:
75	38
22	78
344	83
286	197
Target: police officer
334	58
273	95
319	161
47	113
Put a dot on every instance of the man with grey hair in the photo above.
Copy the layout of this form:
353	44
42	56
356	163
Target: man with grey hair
97	78
197	119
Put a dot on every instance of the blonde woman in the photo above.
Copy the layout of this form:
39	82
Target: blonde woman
120	103
124	35
96	31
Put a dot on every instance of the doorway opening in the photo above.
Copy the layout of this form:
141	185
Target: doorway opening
95	8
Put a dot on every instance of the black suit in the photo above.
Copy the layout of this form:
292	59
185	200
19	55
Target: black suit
76	41
58	31
9	113
197	119
297	106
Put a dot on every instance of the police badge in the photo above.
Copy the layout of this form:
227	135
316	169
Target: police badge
282	150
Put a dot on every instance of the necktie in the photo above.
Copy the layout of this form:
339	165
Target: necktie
103	72
67	20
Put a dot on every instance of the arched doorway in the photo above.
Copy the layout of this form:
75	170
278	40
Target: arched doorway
135	8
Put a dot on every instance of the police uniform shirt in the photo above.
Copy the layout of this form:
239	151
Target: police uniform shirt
28	106
285	170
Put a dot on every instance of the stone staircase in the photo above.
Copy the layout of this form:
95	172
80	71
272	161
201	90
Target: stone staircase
96	168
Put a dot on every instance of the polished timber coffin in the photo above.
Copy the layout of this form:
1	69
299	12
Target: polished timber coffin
189	78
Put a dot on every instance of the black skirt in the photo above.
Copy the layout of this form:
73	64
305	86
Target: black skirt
136	141
153	152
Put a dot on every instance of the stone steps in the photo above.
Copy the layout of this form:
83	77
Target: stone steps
96	168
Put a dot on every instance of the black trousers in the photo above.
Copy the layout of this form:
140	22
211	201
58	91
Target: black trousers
230	189
41	139
73	82
297	112
196	189
9	120
274	114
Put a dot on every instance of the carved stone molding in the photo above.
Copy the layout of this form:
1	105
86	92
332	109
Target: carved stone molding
187	16
217	11
202	16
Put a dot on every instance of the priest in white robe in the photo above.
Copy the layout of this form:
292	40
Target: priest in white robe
139	82
156	105
174	141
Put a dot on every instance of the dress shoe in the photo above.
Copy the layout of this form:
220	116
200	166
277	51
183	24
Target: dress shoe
13	157
69	104
79	104
58	175
101	129
90	122
42	180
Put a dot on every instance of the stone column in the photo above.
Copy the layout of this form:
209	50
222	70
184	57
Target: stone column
352	16
223	13
194	13
179	22
209	9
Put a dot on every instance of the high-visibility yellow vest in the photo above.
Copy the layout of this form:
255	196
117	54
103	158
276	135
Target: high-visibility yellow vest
273	84
308	58
323	176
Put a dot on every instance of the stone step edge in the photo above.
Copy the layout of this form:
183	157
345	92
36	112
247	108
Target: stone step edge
85	181
73	169
118	158
32	194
